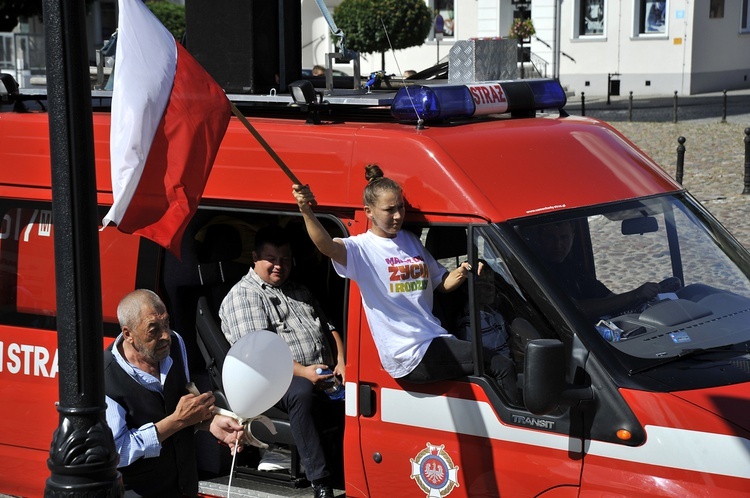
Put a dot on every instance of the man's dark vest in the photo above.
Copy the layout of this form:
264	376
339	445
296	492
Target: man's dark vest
174	472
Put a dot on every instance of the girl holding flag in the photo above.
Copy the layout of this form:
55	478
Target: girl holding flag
411	343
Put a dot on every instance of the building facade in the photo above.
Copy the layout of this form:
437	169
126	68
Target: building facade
648	47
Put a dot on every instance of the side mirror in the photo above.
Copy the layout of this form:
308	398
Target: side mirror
544	386
543	375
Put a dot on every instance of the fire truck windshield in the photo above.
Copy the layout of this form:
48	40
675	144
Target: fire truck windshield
654	278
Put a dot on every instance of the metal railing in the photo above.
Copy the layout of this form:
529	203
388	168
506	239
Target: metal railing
533	67
539	66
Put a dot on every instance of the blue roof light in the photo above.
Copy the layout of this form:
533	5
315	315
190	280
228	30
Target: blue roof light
432	103
443	102
548	94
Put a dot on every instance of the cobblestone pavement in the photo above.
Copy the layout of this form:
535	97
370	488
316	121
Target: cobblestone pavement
714	164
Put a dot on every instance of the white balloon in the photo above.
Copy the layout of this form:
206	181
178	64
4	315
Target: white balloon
257	372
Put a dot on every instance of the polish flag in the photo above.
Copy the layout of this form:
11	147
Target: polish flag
168	119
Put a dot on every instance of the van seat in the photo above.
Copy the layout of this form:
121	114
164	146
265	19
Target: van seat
521	332
218	269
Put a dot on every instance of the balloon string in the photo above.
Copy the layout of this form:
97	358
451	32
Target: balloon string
231	471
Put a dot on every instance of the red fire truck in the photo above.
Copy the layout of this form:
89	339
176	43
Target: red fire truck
661	411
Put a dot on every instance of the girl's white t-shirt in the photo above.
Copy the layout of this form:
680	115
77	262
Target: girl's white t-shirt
397	278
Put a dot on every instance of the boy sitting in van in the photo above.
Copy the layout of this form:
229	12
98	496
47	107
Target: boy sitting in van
494	328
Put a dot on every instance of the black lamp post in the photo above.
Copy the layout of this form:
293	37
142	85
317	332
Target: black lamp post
523	7
83	458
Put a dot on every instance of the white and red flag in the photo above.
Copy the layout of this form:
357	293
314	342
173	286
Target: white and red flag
168	119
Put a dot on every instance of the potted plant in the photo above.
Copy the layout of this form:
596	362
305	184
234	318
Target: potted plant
521	30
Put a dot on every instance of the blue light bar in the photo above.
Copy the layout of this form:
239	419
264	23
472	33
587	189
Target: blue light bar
548	94
444	102
432	103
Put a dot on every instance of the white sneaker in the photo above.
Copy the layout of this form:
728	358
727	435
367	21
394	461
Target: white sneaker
275	459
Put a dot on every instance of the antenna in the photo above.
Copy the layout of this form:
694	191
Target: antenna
420	121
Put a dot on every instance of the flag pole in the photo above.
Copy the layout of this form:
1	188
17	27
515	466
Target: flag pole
265	145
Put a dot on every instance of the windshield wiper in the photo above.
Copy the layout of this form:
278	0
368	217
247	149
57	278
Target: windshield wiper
687	353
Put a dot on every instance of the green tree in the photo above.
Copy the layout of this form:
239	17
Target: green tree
365	23
171	15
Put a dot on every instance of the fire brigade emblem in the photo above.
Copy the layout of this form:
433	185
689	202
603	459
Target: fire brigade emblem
434	472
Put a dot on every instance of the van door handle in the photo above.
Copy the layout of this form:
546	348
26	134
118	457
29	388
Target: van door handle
366	400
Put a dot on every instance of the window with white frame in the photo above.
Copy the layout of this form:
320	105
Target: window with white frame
445	16
745	18
651	17
590	16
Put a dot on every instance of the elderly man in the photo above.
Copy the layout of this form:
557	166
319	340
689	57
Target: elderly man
149	409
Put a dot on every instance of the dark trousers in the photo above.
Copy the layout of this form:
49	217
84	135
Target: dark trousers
302	402
449	357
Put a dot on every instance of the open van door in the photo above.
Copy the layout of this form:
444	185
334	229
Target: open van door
461	436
